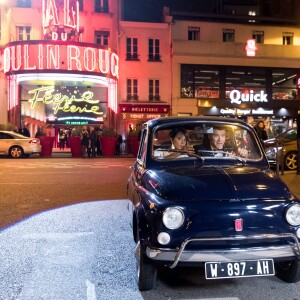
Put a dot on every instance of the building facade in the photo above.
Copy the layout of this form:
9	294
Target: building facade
59	63
246	69
68	63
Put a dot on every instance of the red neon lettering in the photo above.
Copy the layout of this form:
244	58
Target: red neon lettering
53	56
250	47
16	57
89	59
26	59
51	14
76	56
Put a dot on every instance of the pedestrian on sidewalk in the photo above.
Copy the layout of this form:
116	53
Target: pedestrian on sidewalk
93	138
85	139
62	139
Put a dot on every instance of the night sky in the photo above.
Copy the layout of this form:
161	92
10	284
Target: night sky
151	10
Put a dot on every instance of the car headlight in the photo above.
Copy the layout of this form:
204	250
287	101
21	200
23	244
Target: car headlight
271	152
173	217
293	215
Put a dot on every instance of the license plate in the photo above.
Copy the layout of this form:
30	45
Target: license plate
232	269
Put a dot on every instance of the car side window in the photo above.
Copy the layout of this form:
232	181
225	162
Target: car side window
4	135
143	146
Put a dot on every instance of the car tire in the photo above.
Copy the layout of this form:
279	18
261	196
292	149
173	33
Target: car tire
290	161
16	152
288	271
146	270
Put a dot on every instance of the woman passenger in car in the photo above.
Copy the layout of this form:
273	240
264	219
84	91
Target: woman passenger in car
179	147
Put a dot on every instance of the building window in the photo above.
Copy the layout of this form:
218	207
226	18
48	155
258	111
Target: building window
284	84
154	90
23	33
258	36
287	38
132	49
101	37
193	33
245	80
24	3
228	35
101	6
132	89
198	81
80	5
153	50
206	82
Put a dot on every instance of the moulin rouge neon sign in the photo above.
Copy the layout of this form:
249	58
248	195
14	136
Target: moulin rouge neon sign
59	17
48	56
64	103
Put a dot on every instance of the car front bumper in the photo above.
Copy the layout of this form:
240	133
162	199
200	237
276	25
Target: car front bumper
174	256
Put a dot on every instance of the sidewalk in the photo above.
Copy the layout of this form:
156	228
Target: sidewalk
293	181
66	153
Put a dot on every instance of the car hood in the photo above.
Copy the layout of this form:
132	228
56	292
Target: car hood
215	183
270	142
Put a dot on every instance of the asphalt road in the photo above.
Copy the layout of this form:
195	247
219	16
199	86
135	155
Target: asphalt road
59	242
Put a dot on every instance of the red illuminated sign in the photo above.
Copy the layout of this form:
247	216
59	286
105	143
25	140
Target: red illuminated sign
153	109
44	56
251	47
60	19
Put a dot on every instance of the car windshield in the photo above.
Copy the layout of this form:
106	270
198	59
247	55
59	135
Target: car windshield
290	134
205	140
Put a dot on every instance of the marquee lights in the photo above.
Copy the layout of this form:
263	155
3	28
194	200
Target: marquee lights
45	56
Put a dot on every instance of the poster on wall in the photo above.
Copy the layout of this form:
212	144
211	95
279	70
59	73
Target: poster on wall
70	105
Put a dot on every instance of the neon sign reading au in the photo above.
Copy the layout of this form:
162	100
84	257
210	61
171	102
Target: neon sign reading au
46	56
65	103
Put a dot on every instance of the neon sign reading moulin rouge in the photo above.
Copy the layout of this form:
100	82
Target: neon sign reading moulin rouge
46	56
65	103
238	97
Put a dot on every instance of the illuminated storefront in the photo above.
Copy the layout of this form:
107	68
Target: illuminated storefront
134	115
59	83
245	92
59	80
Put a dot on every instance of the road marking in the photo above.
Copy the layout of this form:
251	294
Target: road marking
90	291
56	235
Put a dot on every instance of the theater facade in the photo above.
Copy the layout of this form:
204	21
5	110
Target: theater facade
57	77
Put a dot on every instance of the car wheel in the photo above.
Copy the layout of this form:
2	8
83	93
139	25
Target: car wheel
146	270
16	152
288	271
290	161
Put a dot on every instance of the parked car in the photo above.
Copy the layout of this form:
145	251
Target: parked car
220	207
286	141
16	145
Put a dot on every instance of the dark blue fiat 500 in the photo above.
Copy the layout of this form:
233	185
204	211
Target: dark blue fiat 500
203	194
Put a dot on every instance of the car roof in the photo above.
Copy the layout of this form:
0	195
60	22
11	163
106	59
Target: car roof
15	134
170	120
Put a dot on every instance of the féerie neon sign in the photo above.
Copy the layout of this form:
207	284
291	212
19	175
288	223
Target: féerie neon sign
64	103
48	56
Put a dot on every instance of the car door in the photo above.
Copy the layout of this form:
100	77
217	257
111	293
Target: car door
5	142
